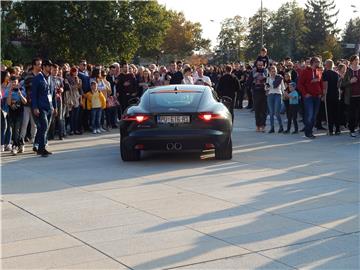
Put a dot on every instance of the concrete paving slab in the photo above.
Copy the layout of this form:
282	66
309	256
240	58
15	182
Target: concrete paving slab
142	193
172	257
343	217
182	205
106	264
153	242
249	261
38	245
55	258
319	254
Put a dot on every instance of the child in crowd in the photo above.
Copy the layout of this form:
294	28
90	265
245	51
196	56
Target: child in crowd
293	108
96	102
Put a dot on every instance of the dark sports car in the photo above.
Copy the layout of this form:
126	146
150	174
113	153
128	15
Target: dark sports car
175	118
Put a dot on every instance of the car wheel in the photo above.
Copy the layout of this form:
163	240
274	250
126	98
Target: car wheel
127	153
224	151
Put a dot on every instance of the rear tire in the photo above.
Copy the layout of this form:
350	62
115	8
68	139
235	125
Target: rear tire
127	153
224	151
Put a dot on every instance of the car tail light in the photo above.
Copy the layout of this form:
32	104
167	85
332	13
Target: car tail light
138	118
210	116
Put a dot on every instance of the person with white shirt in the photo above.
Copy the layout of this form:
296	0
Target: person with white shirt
275	88
201	79
188	79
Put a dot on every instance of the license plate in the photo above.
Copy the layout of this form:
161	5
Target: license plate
173	119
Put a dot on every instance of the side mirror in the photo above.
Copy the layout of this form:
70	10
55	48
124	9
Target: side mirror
134	101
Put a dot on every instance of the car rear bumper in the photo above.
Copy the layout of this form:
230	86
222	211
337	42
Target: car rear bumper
188	139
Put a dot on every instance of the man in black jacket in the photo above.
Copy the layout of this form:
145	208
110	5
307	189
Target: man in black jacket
256	82
228	86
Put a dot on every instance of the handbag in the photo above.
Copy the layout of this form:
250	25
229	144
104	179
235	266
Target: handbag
111	102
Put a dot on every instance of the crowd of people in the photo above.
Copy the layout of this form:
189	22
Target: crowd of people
44	100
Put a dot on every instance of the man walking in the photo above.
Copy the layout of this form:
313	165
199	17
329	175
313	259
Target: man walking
228	86
311	88
43	105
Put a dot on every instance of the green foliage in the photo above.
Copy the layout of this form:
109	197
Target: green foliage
7	63
320	19
351	35
99	31
232	37
183	37
287	31
253	42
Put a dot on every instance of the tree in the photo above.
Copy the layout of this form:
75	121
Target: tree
320	19
253	41
287	32
232	36
183	37
100	31
351	35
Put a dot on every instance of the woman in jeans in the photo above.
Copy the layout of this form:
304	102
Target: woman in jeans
275	88
5	131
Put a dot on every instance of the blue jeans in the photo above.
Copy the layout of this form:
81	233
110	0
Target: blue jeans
95	118
5	129
42	123
274	106
311	105
75	119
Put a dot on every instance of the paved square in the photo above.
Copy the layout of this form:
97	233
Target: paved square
282	202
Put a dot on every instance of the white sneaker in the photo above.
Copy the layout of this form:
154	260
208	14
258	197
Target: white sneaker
94	131
102	130
3	148
353	134
22	149
14	151
99	131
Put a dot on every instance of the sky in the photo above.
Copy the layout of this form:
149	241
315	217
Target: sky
210	13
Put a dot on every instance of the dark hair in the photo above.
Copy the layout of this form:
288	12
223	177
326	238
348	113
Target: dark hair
353	57
3	75
82	61
313	60
263	49
112	66
341	65
95	73
179	62
11	70
55	66
36	59
228	68
187	69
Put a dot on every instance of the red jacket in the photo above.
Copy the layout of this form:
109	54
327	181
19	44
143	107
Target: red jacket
305	84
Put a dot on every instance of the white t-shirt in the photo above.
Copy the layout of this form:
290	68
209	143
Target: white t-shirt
188	80
278	90
201	80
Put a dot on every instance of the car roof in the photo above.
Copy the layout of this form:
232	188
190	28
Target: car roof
179	87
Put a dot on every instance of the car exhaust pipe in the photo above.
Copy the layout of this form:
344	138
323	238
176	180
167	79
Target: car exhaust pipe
178	146
170	146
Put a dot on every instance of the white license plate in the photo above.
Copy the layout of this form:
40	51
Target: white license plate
173	119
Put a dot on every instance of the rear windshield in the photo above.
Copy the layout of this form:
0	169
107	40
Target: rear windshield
186	100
